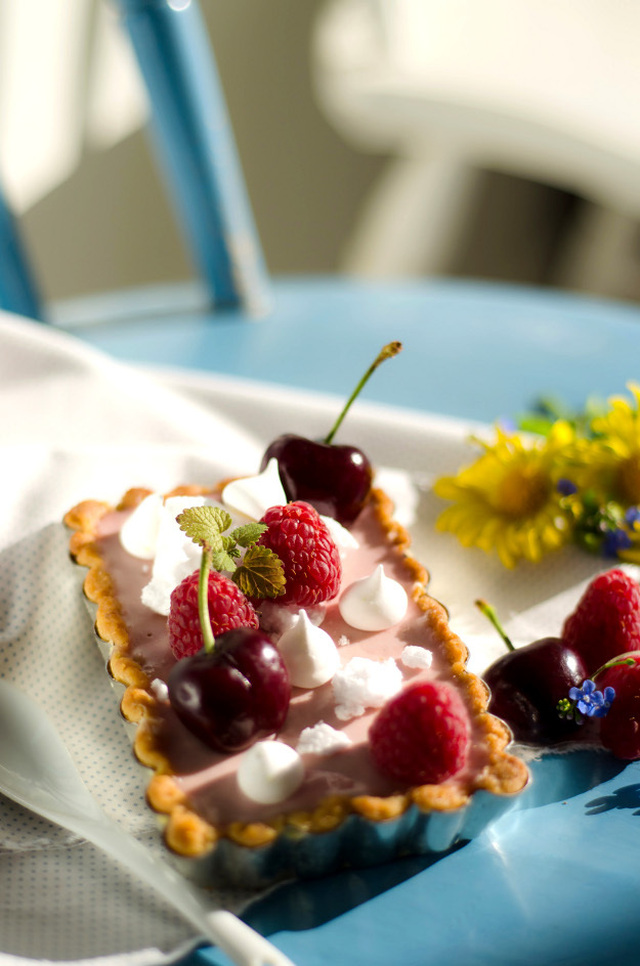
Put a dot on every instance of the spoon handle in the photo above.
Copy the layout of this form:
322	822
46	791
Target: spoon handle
239	941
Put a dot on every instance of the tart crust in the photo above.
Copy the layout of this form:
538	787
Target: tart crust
188	834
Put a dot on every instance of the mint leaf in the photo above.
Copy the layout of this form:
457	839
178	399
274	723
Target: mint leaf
204	524
248	534
230	546
223	561
260	574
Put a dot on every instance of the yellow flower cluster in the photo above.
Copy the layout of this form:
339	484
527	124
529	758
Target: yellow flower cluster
527	495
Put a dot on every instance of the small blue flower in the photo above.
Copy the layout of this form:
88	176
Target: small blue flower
632	516
566	487
589	702
615	541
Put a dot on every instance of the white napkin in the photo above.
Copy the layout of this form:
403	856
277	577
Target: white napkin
76	425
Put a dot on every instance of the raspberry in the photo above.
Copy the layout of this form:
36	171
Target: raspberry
620	729
228	609
421	736
606	621
309	556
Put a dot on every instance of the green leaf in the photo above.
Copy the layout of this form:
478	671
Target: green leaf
248	534
204	524
223	561
261	573
230	546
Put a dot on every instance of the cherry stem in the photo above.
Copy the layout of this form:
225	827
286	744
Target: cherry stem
490	613
390	350
203	601
621	661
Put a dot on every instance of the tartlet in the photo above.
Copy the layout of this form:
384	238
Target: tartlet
346	813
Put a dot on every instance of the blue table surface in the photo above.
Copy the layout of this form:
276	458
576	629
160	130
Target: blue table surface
555	881
474	350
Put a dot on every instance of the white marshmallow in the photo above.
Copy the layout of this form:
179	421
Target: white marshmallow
374	603
309	653
270	771
254	495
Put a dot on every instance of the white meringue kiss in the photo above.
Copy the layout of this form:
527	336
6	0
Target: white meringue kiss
309	653
139	532
254	495
270	771
374	603
343	538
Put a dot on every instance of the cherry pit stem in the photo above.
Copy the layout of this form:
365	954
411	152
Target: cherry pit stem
387	352
490	613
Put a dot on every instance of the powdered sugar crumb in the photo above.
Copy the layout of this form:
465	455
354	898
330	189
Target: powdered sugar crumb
343	641
363	683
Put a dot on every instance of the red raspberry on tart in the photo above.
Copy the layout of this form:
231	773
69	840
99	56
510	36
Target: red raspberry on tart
309	555
421	736
228	609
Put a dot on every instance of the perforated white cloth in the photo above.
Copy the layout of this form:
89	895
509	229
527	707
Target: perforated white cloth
76	425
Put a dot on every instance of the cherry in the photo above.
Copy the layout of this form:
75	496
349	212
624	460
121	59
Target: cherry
233	694
336	480
527	683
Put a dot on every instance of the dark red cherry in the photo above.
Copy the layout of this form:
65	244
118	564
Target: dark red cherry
526	685
334	479
233	695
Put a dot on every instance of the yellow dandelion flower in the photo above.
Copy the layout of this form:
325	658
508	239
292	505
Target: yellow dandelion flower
508	500
611	460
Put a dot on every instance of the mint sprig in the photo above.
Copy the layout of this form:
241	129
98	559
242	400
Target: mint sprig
260	572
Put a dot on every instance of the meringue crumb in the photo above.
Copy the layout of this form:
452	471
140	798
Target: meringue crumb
363	683
322	739
414	656
160	690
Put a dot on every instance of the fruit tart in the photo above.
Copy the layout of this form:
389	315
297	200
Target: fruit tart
300	700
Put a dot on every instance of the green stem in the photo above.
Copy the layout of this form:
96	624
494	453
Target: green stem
490	613
203	601
387	352
621	661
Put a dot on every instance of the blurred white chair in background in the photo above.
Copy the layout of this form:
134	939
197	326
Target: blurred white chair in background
544	89
68	82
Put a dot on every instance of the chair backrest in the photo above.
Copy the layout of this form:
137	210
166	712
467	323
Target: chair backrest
549	89
196	152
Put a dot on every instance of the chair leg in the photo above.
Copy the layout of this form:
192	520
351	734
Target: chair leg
601	253
415	218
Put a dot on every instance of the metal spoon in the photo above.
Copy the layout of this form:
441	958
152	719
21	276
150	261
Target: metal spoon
37	771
